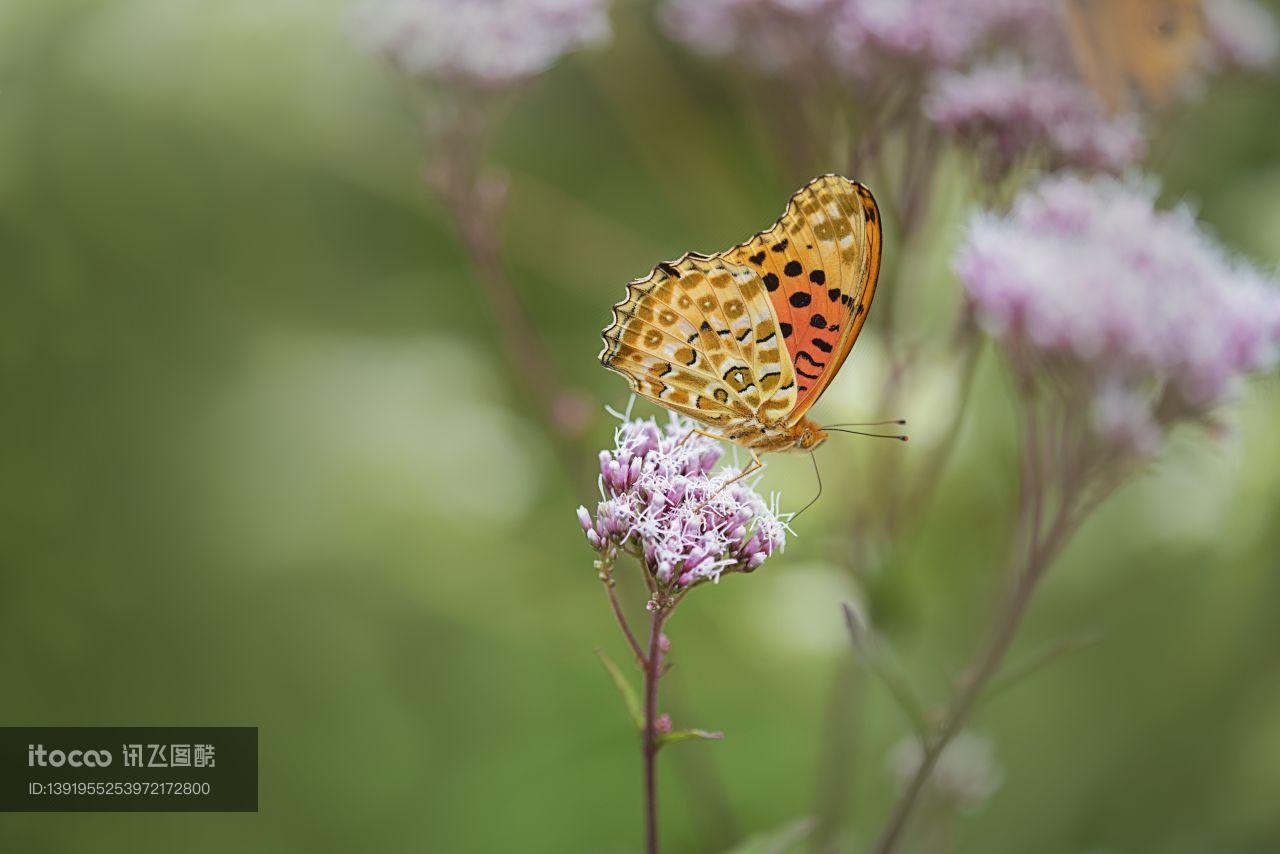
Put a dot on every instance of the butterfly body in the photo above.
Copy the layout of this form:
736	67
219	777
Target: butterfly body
746	340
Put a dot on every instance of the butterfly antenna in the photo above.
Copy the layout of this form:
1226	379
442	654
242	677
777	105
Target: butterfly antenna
818	474
901	437
901	422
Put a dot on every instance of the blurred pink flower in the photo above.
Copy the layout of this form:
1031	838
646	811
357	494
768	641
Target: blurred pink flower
1007	111
877	37
481	42
1243	34
661	501
772	36
862	37
1137	305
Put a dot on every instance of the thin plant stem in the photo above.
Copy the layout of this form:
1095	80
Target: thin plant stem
611	590
649	746
1035	548
988	663
475	206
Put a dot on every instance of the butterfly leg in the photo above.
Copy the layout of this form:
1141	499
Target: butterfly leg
689	435
756	465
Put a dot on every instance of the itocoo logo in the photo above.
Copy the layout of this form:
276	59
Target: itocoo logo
38	756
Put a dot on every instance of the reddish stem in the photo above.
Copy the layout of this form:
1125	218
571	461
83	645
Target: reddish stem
652	673
606	576
1080	486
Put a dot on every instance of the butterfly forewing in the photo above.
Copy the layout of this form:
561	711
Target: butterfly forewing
820	263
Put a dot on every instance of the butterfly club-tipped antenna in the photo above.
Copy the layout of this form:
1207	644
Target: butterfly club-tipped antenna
844	428
841	428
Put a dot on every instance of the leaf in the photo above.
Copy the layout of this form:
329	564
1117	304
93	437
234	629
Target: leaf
677	735
777	841
624	688
879	659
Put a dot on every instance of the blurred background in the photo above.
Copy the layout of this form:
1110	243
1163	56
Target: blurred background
264	465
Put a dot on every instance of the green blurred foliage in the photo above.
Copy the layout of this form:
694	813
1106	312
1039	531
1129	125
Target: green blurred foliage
262	467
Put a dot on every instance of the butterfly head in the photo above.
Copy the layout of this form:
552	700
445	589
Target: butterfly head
809	436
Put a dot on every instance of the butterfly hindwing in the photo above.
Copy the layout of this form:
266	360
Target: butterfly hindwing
699	336
819	264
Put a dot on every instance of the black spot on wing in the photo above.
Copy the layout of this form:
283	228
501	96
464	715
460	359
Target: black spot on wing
757	258
771	281
823	345
806	376
800	299
818	277
786	329
793	268
804	354
780	246
818	322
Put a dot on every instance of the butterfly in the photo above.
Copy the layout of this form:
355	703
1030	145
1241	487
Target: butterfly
745	341
1131	51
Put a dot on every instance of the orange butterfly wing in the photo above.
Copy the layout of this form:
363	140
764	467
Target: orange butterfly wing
820	263
1153	47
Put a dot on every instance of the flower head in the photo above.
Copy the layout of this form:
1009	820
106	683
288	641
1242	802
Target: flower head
772	36
661	500
487	43
862	37
1009	110
1135	307
873	37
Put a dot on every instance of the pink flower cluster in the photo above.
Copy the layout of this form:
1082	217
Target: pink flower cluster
1008	110
1088	278
487	43
999	74
661	500
863	38
773	36
872	38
